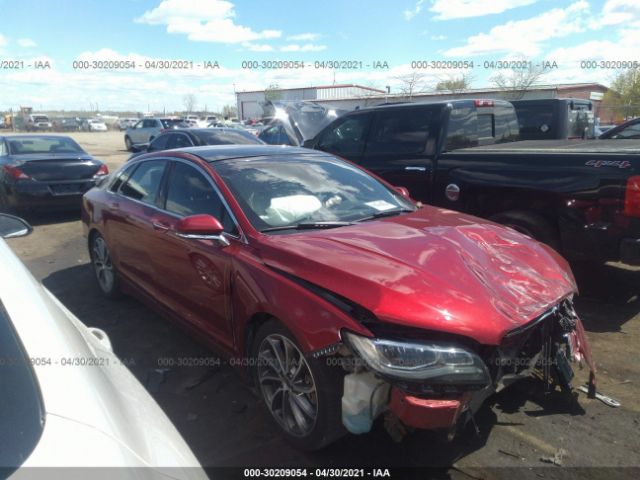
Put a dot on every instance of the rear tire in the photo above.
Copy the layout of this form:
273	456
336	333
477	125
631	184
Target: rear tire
302	394
531	224
103	268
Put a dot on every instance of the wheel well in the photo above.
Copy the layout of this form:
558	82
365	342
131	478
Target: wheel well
251	327
92	233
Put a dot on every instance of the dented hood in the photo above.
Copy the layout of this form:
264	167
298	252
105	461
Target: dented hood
433	269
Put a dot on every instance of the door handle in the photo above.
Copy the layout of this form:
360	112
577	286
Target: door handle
159	226
415	169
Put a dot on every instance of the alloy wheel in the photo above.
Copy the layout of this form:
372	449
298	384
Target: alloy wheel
287	385
102	264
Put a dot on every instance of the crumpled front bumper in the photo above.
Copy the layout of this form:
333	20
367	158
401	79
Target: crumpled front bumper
439	413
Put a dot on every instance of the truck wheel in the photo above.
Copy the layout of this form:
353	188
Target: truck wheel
302	394
531	224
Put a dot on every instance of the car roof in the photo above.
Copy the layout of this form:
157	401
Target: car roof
214	153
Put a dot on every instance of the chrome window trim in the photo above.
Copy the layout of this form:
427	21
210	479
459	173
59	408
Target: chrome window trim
240	237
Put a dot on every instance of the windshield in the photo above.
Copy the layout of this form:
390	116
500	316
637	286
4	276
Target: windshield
40	118
287	191
27	145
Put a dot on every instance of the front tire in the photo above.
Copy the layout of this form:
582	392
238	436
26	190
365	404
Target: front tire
128	144
301	393
103	267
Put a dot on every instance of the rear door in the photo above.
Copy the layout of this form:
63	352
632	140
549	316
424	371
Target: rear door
400	148
133	221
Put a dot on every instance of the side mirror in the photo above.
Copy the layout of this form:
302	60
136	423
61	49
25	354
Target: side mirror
12	227
403	191
202	227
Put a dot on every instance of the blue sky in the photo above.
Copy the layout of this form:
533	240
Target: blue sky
230	32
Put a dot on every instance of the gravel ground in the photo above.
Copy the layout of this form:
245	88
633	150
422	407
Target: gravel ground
225	425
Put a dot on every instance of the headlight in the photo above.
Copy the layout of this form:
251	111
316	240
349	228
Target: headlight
433	362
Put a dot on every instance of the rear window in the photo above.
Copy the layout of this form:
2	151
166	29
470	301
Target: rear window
170	123
21	412
536	121
233	137
27	145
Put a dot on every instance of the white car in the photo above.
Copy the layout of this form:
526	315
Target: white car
67	400
96	125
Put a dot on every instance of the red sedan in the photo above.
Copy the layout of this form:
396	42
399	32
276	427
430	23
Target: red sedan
338	295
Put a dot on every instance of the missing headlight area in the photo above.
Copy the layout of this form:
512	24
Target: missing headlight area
441	385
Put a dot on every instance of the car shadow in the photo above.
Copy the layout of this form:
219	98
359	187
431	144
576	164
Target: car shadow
603	286
36	218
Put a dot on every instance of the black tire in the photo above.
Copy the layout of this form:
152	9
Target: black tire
327	380
532	225
4	204
103	268
128	144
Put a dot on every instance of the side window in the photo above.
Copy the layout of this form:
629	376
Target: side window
3	148
346	137
149	124
140	124
400	131
190	193
160	143
463	129
179	140
632	131
275	135
121	178
144	182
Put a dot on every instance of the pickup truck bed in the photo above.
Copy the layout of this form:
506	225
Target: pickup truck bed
581	197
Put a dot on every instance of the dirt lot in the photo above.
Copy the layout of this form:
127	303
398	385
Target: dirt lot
226	426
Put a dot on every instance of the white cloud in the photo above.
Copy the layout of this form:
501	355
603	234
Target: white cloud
525	37
308	47
438	37
303	37
617	12
3	40
210	21
27	43
257	47
450	9
409	14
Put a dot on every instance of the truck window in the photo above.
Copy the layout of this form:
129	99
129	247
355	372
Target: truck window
486	126
347	136
400	131
536	121
507	129
463	129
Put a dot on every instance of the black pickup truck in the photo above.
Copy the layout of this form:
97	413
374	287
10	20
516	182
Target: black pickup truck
580	197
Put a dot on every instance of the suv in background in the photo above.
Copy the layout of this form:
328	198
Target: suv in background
38	121
555	118
143	132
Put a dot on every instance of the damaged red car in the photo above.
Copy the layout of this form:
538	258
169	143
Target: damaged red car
340	297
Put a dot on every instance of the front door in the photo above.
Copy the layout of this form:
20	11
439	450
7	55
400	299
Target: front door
195	275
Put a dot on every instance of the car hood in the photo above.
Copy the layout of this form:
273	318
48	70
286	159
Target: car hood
433	269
